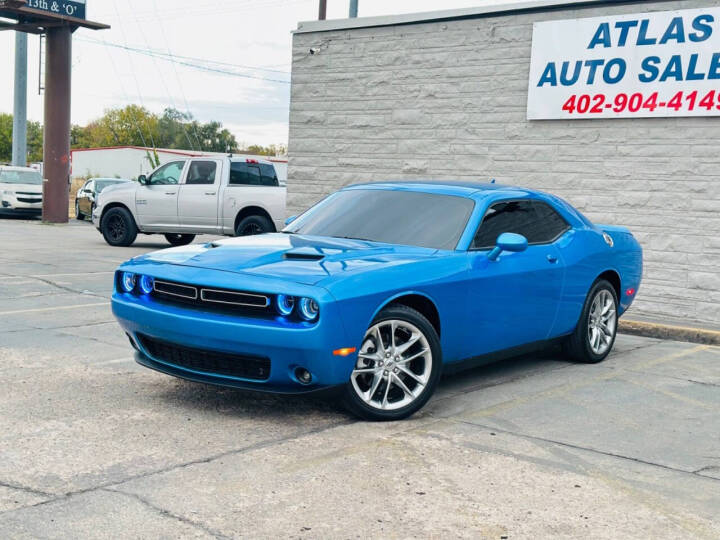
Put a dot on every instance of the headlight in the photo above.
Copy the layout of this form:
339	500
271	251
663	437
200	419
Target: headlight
309	309
128	280
285	304
146	284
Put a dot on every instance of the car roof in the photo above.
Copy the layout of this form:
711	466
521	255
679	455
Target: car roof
461	188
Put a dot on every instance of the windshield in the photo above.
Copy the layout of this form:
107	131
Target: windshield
394	217
102	184
20	177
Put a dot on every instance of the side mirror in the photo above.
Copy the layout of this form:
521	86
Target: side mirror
508	242
289	220
142	180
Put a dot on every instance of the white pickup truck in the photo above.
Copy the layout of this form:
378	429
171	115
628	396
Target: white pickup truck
206	195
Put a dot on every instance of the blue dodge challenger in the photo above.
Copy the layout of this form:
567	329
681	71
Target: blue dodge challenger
380	287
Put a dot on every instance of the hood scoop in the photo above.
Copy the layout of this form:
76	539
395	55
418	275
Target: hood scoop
290	256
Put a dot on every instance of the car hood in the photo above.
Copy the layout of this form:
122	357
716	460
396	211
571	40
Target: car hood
24	188
303	259
122	186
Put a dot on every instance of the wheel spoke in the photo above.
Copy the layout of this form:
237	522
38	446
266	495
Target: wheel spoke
399	382
409	343
379	345
412	375
387	390
413	357
364	370
376	382
392	335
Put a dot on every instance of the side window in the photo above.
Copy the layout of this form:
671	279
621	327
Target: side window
536	221
167	174
268	176
253	174
202	172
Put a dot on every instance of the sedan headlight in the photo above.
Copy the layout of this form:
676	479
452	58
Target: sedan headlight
128	281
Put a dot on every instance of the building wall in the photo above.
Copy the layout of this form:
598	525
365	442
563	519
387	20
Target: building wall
448	99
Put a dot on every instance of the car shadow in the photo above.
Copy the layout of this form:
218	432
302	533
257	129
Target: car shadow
206	398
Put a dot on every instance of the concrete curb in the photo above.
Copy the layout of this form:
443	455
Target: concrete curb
666	331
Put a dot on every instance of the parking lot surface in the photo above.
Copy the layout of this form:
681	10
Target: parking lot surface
93	445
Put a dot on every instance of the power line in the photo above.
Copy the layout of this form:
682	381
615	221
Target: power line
178	60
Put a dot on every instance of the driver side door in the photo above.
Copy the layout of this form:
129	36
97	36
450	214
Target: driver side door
514	300
156	203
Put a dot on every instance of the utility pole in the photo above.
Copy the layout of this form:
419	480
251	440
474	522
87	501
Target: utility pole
56	154
19	137
322	13
353	9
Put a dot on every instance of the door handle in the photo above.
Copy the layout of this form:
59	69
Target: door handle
552	259
170	192
210	193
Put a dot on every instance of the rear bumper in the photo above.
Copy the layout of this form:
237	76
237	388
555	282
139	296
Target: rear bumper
287	345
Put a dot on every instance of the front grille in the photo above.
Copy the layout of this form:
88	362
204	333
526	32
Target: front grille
29	201
234	365
220	300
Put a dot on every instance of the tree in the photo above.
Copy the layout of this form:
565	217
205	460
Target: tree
34	139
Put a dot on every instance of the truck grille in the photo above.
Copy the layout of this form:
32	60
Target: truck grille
234	365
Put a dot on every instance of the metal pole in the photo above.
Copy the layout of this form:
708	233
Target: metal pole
19	137
353	9
322	13
56	159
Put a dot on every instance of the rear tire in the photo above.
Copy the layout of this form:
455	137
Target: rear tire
179	239
252	225
118	227
594	336
394	377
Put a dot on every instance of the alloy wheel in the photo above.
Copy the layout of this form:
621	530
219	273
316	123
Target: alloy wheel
394	365
116	227
602	322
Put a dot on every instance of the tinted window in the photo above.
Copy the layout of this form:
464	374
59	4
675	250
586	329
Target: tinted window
394	217
201	172
168	173
536	221
252	174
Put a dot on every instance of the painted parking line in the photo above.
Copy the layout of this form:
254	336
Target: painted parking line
57	308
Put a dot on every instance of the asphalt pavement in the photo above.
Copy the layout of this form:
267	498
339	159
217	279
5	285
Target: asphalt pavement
93	445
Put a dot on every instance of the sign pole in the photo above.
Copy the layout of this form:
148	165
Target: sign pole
19	137
56	168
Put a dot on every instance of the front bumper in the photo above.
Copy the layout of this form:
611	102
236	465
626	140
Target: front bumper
288	345
29	204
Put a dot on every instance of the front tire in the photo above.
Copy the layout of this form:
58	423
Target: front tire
118	227
78	215
594	336
252	225
179	239
398	366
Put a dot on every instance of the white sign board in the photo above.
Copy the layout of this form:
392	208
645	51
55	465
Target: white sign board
629	66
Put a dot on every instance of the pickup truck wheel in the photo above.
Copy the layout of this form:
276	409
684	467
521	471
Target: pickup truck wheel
179	239
253	225
118	227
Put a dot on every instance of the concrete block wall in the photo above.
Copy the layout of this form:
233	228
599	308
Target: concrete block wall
447	100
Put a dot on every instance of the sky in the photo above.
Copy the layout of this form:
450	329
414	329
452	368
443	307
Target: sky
230	64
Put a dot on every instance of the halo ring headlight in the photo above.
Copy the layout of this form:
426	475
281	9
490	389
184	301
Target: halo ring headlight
128	281
146	284
285	304
309	309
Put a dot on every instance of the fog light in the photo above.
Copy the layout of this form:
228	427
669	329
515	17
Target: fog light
285	304
146	284
303	375
309	309
128	281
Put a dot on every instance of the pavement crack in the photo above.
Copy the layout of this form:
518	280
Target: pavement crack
585	448
199	461
167	513
26	489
